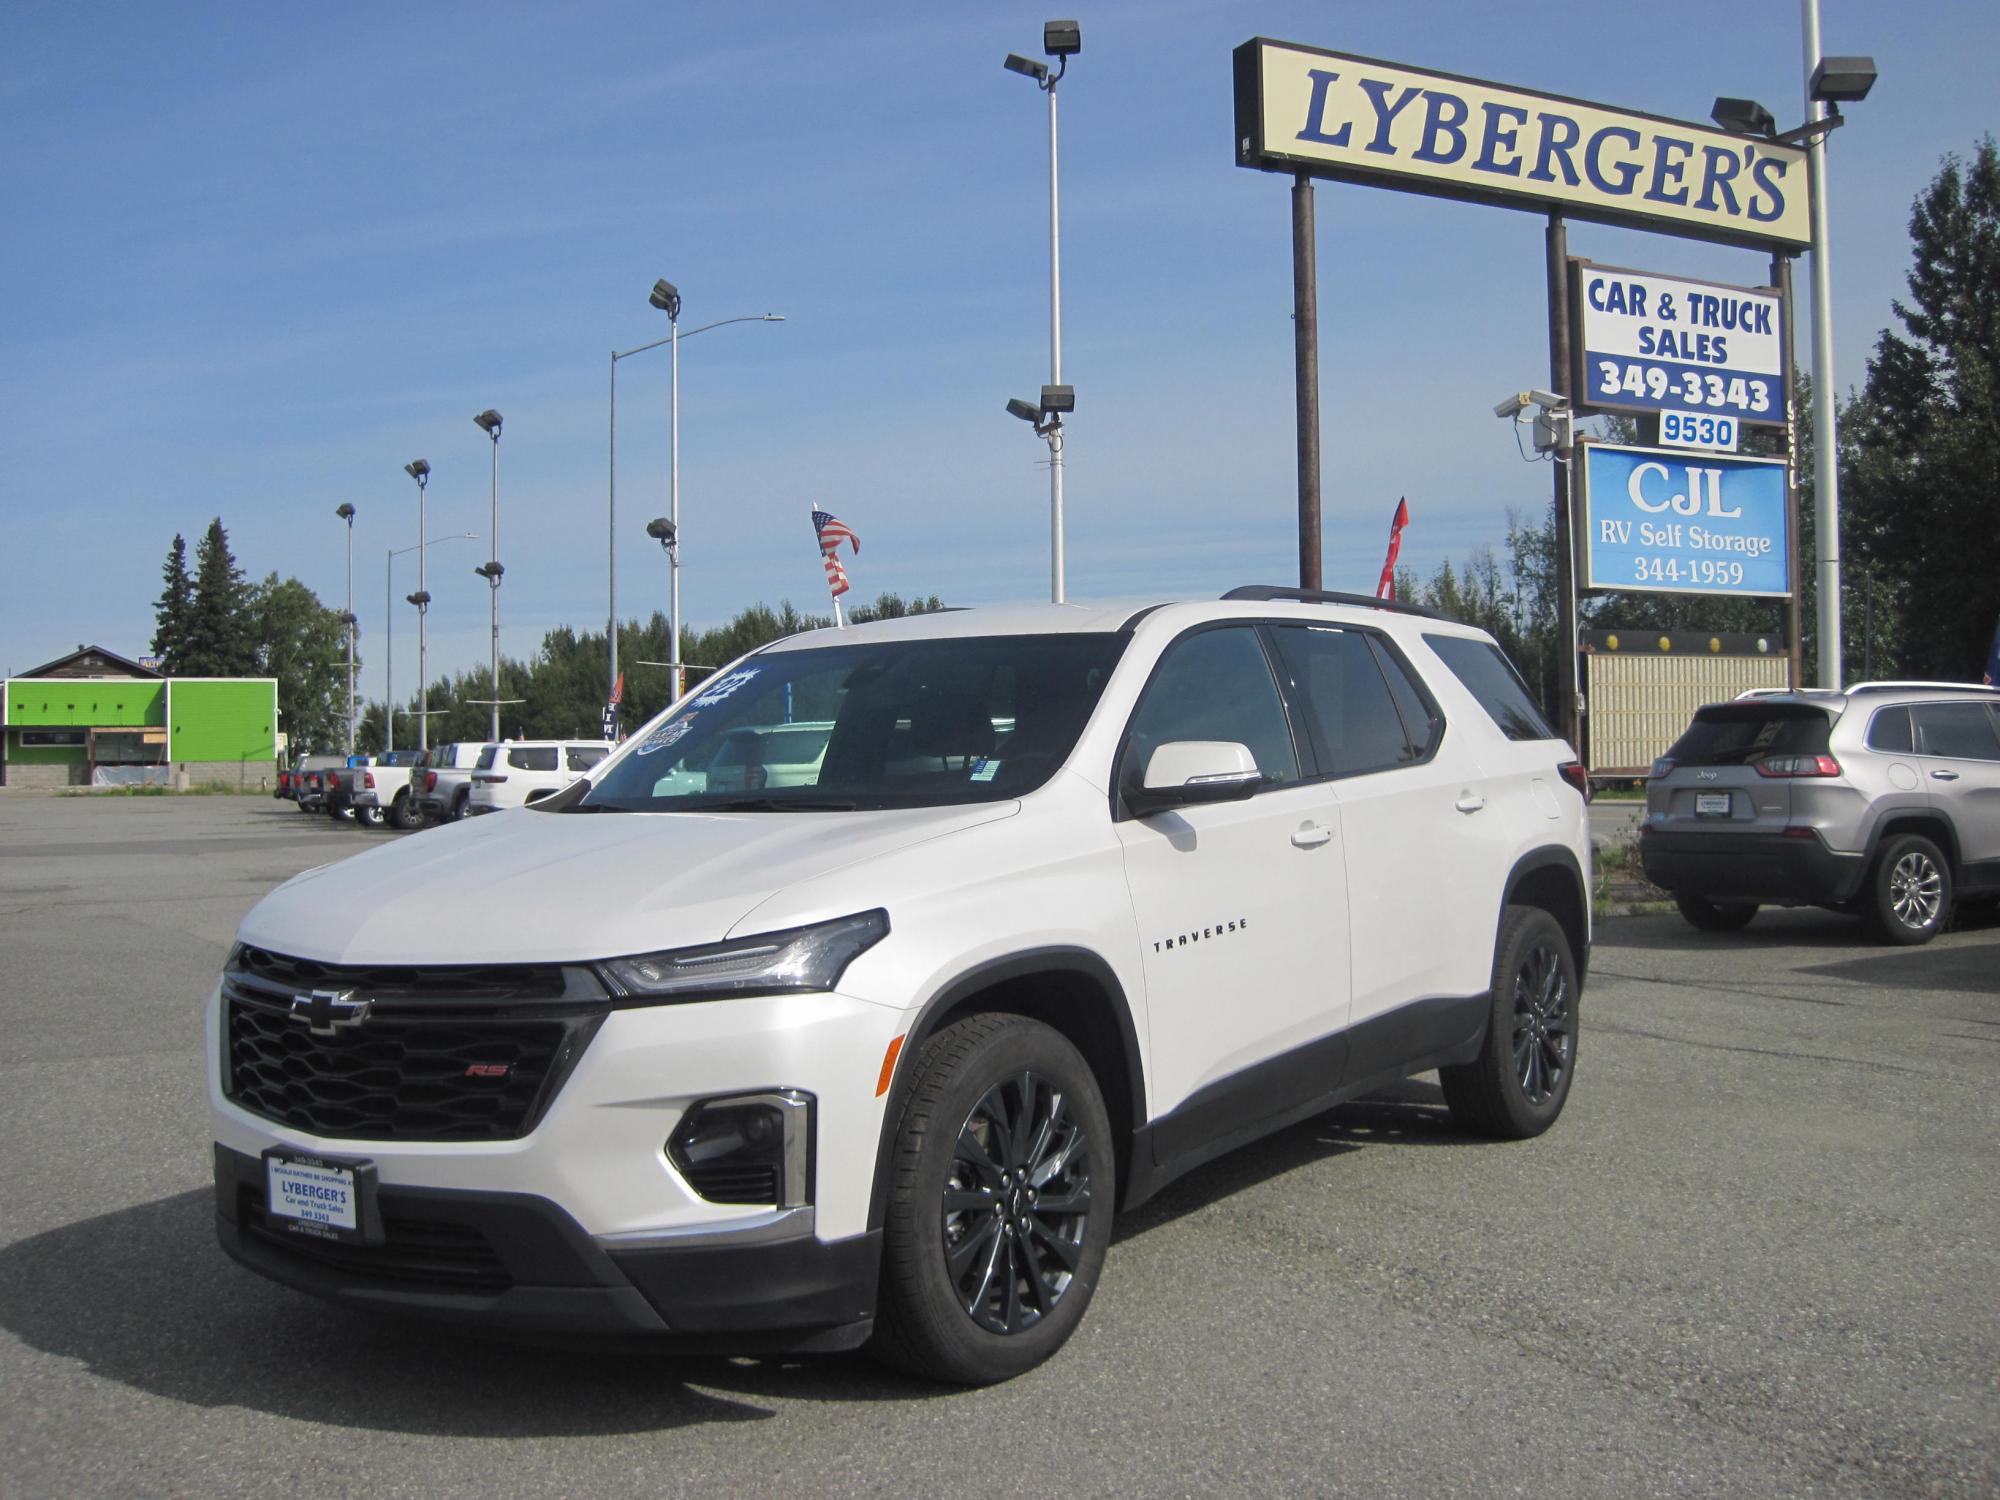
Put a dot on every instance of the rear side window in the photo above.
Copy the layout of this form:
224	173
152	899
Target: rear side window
583	757
1739	734
1889	731
486	757
1491	678
1959	731
532	757
1352	714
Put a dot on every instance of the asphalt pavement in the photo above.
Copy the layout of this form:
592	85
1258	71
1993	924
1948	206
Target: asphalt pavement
1757	1256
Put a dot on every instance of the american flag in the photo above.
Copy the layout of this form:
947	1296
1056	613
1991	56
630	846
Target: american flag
832	532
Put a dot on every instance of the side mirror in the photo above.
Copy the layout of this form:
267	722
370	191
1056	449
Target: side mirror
1185	773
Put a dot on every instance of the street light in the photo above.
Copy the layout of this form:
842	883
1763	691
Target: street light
488	422
420	470
665	296
1830	83
663	531
389	634
346	513
1062	41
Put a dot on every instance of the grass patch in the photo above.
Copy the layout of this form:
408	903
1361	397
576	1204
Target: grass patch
1619	887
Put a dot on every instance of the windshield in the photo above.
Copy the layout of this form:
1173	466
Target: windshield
926	723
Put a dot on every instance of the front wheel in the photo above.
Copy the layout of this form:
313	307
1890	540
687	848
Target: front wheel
1910	890
405	813
1714	916
1000	1204
1517	1085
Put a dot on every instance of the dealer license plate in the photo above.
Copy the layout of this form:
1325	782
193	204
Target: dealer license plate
1711	804
313	1196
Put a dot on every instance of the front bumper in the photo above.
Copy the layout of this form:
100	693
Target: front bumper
517	1263
1769	869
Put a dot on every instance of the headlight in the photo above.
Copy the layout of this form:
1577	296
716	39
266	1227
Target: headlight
771	963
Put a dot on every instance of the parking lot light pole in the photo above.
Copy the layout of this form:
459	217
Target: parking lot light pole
488	422
389	633
346	513
420	470
673	338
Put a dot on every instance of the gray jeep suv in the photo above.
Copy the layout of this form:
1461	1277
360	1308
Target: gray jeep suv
1882	801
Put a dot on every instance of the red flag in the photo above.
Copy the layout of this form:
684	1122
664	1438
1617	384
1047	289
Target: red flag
618	691
1385	587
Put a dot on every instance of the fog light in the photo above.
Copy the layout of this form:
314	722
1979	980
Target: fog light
748	1148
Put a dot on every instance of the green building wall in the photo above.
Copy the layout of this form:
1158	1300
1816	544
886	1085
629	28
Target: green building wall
222	720
90	702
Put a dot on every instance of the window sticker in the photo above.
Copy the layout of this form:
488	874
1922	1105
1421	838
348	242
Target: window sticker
718	691
667	734
984	770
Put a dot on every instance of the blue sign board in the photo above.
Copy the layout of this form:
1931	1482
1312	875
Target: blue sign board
1661	343
1661	521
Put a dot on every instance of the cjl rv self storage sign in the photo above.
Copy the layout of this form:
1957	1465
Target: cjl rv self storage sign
1684	523
1658	343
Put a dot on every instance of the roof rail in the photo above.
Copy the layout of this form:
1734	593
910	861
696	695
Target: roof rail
1919	687
1263	591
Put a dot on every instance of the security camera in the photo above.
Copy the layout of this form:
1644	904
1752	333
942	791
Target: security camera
1520	401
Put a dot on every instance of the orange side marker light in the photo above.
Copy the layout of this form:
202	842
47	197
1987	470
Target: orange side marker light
889	1066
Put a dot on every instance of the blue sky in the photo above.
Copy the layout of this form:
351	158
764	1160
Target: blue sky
256	258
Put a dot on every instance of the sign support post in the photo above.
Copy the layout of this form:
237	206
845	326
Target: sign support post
1557	242
1305	342
1781	278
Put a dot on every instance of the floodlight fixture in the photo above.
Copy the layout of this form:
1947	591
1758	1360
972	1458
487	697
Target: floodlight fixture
1842	80
346	513
666	297
663	531
488	422
1743	117
419	470
421	598
1061	39
491	571
347	617
1026	66
1025	410
1057	399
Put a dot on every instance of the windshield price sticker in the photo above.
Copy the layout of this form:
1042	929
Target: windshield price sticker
1681	523
1658	343
1681	430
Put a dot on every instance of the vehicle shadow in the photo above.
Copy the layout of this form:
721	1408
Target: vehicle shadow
144	1297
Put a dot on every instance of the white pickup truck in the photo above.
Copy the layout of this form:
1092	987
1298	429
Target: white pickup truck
378	793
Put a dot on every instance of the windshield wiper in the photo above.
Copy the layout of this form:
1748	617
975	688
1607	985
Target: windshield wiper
779	804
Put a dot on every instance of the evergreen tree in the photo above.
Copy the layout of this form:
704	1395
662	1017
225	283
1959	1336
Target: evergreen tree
174	607
1920	451
220	638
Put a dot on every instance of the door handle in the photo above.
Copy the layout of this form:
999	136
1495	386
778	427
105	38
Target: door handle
1311	835
1944	775
1470	802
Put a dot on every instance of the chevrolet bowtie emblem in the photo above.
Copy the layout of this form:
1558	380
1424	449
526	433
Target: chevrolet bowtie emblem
326	1011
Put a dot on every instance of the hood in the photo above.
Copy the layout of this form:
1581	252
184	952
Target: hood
530	887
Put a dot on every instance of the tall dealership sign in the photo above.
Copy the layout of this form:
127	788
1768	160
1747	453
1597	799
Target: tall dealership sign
1703	359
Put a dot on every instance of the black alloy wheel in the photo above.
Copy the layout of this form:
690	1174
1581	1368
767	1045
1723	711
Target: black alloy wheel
1000	1199
1518	1084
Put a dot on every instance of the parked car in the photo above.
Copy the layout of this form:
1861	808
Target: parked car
444	781
1882	801
517	773
1076	899
377	792
309	780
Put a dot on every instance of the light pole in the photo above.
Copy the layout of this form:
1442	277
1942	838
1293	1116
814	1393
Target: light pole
1060	40
346	513
673	338
389	633
420	470
668	535
488	422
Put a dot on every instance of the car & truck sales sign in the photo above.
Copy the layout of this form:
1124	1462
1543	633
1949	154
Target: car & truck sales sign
1684	523
1332	114
1658	343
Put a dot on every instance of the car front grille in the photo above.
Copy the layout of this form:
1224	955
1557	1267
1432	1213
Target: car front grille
415	1054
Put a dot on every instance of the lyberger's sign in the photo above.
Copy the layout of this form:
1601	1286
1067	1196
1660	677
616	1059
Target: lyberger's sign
1330	114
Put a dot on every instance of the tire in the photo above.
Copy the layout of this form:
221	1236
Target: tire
461	807
1909	891
1518	1084
956	1216
369	817
344	813
1713	916
405	813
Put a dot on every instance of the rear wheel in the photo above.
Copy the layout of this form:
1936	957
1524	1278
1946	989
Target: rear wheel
1517	1085
1000	1205
370	816
461	806
1713	916
405	813
1910	890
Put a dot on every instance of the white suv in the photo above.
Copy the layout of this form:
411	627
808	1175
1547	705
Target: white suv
519	773
1076	898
